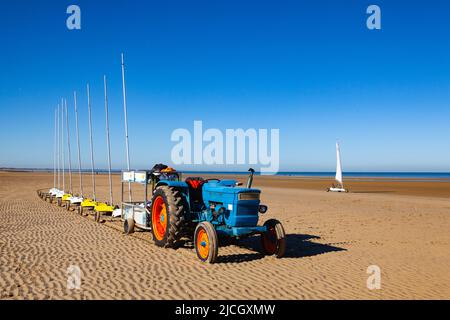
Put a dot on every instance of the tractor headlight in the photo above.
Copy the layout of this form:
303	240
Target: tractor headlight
262	208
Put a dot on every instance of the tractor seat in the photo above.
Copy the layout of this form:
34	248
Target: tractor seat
195	188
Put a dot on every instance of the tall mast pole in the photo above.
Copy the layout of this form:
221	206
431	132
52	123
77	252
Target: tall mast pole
58	151
126	122
91	142
54	153
62	146
78	142
68	148
108	141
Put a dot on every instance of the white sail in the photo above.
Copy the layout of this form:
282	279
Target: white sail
338	165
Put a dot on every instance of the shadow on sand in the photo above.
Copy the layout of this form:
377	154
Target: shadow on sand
297	246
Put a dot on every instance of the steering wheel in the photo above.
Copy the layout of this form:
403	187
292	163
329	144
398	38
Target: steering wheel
213	179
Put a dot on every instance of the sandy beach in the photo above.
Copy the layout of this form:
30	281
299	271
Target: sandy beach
400	226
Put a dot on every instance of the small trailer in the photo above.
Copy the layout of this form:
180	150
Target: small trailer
134	213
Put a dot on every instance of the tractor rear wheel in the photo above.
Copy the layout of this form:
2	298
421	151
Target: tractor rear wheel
273	241
167	215
206	242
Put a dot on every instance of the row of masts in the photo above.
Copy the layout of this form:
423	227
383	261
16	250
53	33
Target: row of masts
59	161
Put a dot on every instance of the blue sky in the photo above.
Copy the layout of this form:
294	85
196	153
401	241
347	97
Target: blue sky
310	68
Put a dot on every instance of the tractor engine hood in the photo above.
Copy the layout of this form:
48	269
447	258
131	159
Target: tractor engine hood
227	186
240	205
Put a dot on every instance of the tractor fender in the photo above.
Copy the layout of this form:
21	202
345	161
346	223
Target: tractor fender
179	185
175	184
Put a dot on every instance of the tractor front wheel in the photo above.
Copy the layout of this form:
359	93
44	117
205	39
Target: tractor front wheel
206	242
273	241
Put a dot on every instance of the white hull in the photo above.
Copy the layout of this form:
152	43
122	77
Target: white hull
117	213
53	191
59	194
337	190
75	200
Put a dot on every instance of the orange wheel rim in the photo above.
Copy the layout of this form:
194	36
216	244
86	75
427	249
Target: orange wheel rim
159	218
203	244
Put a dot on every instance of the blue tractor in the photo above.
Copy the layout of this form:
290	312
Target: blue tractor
209	210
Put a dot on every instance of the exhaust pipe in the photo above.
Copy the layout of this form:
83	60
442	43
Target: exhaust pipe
250	177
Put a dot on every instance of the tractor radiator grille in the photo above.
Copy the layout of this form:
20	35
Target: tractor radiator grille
248	196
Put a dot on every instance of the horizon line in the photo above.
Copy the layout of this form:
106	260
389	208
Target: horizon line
218	171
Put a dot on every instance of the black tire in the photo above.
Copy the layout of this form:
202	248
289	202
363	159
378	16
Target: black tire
175	211
273	241
211	247
128	226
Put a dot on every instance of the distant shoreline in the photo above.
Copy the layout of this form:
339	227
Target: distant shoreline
425	187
